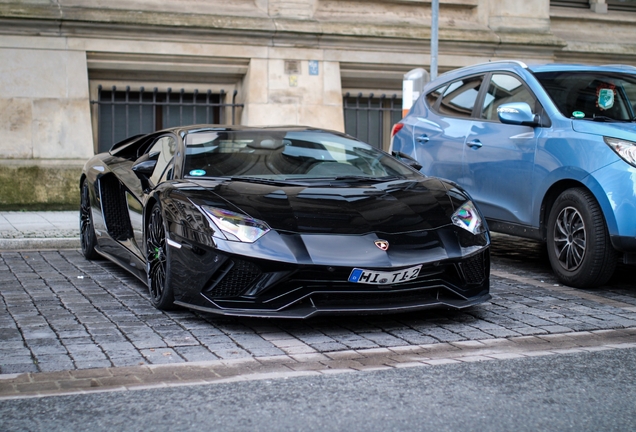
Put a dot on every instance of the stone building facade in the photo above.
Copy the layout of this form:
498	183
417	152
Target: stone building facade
262	61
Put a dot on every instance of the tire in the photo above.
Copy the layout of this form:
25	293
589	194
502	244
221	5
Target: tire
88	239
158	262
579	246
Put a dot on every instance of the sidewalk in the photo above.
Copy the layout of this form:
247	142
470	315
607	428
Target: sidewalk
39	230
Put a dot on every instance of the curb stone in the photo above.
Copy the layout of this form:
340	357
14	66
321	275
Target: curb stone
143	377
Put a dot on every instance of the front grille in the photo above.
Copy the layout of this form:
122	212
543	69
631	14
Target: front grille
474	269
381	299
114	208
232	279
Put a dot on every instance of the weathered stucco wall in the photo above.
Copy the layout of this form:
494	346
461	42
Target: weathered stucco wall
44	110
54	53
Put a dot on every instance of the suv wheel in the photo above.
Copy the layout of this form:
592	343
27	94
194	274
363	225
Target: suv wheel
579	246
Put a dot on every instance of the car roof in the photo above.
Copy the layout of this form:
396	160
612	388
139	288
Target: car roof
535	68
517	65
184	130
558	67
218	127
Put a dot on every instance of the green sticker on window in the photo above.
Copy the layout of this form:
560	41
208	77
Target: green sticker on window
578	114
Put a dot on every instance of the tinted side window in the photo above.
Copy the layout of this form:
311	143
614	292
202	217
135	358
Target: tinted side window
458	99
630	92
163	149
504	88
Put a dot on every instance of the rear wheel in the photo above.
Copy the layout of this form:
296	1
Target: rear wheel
88	240
158	262
579	246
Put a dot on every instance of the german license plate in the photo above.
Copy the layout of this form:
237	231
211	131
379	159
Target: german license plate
383	278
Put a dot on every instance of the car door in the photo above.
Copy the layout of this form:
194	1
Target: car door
499	158
162	150
439	137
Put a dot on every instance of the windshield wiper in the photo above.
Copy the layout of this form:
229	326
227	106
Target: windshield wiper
259	180
601	118
356	178
305	180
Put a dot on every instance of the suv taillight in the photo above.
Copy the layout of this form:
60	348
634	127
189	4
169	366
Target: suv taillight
396	128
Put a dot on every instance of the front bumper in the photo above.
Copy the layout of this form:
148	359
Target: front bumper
242	287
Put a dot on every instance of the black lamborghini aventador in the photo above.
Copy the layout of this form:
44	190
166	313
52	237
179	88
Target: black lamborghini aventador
281	222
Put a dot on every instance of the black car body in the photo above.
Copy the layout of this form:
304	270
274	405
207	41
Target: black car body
281	222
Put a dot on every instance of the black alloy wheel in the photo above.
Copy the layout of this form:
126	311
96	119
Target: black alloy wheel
88	239
158	262
579	246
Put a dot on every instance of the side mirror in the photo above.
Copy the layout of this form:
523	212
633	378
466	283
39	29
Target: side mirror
517	113
407	160
144	166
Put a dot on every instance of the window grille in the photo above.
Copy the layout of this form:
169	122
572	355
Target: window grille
621	5
617	5
581	4
371	118
122	113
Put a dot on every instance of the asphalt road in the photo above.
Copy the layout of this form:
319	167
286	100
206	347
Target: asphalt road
570	392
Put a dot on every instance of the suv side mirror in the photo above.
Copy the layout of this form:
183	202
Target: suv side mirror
517	113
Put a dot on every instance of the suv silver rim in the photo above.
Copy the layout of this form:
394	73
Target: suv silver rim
570	238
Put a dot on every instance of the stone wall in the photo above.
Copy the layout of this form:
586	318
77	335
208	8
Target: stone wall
39	184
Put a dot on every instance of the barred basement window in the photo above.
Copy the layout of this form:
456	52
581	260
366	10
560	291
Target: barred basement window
617	5
122	113
370	118
621	5
580	4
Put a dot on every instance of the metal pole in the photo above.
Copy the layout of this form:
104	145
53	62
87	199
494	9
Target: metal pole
434	37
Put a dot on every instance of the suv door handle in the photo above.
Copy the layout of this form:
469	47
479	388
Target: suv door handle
422	138
474	144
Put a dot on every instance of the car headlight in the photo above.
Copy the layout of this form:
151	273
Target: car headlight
234	226
625	149
467	217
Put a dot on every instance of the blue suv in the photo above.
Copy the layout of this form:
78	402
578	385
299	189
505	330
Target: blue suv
547	152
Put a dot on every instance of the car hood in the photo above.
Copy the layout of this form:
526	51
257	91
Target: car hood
336	208
626	131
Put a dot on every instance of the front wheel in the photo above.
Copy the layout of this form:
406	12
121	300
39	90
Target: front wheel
158	262
579	246
88	240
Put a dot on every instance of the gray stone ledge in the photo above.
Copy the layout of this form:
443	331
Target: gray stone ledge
39	243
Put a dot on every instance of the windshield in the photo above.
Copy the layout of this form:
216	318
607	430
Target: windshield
608	96
285	155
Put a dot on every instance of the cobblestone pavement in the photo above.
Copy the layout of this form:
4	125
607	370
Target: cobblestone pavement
60	312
